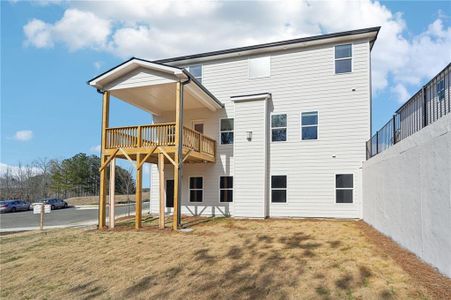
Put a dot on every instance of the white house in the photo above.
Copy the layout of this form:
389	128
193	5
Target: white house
290	120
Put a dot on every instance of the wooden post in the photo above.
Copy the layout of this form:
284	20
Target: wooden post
41	222
161	172
102	192
138	197
178	154
112	191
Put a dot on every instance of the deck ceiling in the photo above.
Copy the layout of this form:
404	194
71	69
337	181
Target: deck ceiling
159	98
152	87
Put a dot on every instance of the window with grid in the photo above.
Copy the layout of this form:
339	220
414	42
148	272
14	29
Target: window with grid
279	188
344	186
309	125
226	131
226	189
343	58
196	189
279	128
196	71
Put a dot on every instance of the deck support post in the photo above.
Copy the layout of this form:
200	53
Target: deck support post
138	195
112	191
178	155
103	179
162	204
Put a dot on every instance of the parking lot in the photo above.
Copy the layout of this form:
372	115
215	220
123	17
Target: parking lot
80	215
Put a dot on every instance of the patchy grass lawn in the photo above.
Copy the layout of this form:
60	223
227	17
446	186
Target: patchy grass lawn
220	258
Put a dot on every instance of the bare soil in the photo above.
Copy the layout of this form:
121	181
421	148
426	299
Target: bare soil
220	259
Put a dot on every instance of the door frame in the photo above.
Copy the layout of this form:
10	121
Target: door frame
198	121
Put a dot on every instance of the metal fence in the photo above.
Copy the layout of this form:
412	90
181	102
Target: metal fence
425	107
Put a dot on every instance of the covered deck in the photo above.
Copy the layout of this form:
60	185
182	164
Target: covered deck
157	89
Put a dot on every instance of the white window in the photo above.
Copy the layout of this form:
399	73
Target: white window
309	125
226	131
279	188
259	67
279	128
196	71
343	58
344	185
196	189
226	189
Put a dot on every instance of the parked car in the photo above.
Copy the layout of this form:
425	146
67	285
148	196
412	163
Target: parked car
14	205
56	203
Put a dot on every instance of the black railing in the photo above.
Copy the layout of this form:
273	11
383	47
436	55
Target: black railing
425	107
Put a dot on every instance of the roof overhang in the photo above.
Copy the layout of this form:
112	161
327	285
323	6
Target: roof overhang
151	86
251	97
339	37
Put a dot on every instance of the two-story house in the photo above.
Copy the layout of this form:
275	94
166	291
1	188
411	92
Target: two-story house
271	130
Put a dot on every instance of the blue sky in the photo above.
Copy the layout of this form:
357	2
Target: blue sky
49	49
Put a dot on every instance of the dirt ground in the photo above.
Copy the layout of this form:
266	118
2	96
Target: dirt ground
94	200
220	259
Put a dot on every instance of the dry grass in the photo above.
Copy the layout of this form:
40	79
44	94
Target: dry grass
221	258
94	200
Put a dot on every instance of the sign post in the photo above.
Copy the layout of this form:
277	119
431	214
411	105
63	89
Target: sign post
41	209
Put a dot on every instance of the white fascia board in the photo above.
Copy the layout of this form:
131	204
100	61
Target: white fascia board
269	50
132	65
254	97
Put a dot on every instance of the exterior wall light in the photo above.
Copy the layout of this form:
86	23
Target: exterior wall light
249	135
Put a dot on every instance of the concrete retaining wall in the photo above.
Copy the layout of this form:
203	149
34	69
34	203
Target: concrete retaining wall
407	193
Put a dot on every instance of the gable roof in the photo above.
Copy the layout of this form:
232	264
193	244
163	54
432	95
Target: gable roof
102	81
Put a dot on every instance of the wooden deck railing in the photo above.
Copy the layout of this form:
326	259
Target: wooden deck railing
157	135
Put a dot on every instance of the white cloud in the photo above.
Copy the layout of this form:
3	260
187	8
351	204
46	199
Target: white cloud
38	34
19	169
158	29
95	149
23	135
76	29
401	93
97	65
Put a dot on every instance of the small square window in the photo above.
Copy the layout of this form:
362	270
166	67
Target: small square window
259	67
226	131
309	125
279	189
344	186
279	128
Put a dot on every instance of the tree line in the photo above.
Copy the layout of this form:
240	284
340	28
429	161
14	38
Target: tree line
72	177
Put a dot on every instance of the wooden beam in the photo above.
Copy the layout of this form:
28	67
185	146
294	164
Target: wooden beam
138	196
167	155
178	154
112	192
186	156
111	157
161	177
145	158
128	157
102	190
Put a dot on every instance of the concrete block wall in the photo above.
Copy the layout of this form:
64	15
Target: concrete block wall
407	193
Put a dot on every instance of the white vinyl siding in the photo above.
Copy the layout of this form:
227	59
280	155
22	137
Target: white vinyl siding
300	81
